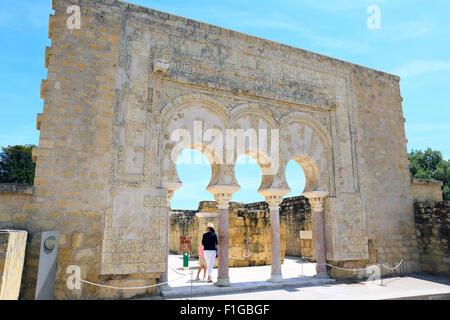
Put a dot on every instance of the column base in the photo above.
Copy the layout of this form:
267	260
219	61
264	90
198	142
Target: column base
222	283
276	278
322	275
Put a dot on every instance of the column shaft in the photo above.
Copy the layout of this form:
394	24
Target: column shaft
319	230
223	278
317	201
275	244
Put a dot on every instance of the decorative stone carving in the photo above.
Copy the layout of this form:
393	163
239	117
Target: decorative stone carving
161	65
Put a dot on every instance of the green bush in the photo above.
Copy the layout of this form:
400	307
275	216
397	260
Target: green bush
16	165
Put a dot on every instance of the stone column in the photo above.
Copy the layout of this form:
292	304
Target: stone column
165	275
223	186
275	246
317	199
223	202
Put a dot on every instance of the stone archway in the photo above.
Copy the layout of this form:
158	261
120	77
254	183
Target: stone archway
187	119
309	144
304	140
109	181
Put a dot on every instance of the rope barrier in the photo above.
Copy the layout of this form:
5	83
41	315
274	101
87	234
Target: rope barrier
177	271
130	288
346	269
393	267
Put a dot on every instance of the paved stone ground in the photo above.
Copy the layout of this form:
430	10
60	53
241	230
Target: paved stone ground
414	287
295	273
296	287
292	268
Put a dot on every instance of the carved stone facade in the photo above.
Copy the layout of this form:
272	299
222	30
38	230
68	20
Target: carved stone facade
120	86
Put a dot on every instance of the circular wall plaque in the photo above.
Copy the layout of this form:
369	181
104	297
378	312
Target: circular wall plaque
50	243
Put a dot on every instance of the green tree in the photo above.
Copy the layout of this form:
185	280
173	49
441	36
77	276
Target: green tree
16	165
430	164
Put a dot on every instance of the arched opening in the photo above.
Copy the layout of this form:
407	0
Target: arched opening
295	177
185	218
194	171
248	175
295	211
249	226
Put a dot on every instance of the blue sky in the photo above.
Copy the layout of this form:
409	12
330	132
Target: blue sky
413	42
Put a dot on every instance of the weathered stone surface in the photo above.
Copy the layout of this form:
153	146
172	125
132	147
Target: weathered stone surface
12	255
104	152
433	235
426	190
15	188
248	228
296	213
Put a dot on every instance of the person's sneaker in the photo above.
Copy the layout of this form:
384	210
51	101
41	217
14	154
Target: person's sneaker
210	281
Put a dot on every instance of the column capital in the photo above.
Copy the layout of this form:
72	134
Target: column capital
223	194
223	200
171	187
274	201
274	197
170	194
316	199
161	66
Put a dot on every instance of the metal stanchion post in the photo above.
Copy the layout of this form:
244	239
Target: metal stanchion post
192	273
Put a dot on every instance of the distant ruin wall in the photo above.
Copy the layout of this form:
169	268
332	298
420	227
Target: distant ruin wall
15	205
433	235
426	190
249	230
296	213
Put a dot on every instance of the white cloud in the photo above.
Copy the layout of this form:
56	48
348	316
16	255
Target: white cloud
418	67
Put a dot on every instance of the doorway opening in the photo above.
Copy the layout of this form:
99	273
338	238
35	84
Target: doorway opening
186	220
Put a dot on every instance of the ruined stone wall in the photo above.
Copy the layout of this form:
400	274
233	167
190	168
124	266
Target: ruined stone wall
249	235
385	184
296	214
433	234
426	190
186	223
107	120
73	157
15	206
248	231
72	160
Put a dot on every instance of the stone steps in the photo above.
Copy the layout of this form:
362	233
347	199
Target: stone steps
180	292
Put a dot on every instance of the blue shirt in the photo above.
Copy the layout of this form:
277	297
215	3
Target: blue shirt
209	241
